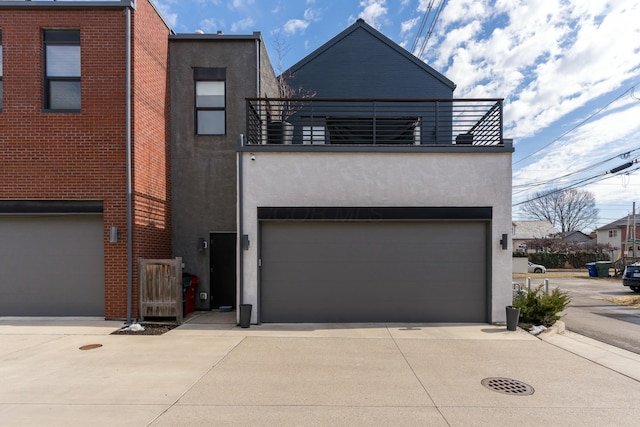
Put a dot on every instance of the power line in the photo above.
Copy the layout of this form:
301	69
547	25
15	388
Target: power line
530	186
590	180
631	89
432	26
422	24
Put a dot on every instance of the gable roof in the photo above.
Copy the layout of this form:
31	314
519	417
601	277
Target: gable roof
532	229
360	24
620	223
575	236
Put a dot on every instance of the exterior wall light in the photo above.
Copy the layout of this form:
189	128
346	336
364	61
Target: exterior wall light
113	234
504	242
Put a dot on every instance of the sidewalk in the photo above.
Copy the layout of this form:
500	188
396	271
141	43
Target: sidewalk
210	372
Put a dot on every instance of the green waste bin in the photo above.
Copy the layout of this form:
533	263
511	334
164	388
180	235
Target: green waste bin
602	267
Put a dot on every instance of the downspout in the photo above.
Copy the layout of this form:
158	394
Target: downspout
128	166
240	191
240	227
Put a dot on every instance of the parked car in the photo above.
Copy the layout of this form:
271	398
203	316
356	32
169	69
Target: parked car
537	268
631	277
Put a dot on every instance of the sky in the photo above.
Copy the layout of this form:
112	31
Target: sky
568	70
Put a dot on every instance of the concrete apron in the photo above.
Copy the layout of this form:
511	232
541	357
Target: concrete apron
355	374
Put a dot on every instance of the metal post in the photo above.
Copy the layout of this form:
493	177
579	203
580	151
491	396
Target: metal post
546	286
529	284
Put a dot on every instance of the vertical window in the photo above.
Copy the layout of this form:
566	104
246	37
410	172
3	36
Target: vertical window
62	70
0	70
313	130
210	91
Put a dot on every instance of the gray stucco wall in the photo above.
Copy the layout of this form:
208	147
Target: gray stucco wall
204	166
412	179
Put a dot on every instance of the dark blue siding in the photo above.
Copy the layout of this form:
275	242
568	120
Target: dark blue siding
361	65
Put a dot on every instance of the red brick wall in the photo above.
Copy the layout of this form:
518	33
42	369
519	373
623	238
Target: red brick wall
82	155
151	133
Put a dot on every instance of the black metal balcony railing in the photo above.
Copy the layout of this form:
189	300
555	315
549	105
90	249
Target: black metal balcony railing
368	122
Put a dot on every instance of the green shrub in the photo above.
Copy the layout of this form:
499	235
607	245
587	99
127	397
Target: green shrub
559	260
538	308
579	259
548	259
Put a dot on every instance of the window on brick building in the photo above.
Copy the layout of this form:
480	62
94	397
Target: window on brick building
0	70
62	70
210	91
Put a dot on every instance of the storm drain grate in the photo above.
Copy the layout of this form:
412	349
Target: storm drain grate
508	386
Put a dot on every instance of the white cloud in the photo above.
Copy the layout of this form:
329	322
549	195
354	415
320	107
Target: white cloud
374	12
165	10
545	64
243	25
240	4
407	26
311	14
294	26
211	25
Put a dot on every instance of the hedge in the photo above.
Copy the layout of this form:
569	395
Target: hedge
559	260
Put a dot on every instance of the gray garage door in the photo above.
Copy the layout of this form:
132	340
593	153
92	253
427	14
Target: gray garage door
51	265
374	272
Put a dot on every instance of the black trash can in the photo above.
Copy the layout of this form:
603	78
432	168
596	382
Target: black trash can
245	315
513	315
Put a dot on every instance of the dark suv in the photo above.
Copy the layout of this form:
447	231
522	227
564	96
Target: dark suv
631	277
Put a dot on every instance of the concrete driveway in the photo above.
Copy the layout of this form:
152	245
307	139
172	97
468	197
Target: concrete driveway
212	373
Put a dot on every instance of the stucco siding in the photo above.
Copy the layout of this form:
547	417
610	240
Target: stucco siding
381	180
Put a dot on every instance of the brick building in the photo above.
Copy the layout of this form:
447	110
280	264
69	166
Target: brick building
84	154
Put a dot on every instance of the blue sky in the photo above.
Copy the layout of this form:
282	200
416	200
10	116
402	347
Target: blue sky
569	71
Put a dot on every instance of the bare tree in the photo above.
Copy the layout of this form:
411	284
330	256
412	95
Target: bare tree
567	210
290	96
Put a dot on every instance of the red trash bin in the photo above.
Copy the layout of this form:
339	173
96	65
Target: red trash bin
189	283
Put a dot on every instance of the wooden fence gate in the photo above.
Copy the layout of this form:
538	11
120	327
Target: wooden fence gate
160	288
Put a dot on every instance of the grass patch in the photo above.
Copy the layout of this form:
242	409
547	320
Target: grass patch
628	301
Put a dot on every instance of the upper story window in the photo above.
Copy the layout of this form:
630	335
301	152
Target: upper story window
210	91
62	70
0	70
613	233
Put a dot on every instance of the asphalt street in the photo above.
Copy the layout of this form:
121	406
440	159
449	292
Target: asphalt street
591	315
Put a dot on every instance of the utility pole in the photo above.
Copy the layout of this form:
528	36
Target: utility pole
633	232
635	247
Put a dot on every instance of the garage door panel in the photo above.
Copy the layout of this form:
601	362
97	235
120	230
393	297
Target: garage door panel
51	265
391	271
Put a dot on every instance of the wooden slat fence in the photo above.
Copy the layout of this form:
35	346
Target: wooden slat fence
160	288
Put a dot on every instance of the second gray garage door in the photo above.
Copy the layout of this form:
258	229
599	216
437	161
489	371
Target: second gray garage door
431	271
51	265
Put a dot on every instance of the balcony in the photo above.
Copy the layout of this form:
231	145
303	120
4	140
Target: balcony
365	122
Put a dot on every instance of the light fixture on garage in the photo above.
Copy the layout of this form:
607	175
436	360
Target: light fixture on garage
504	242
113	234
245	242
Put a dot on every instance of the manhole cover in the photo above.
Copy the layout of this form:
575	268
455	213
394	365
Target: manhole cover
508	386
90	346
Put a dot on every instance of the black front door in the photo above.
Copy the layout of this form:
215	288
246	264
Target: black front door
223	269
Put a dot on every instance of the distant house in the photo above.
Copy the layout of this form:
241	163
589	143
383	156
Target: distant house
619	234
575	237
524	231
